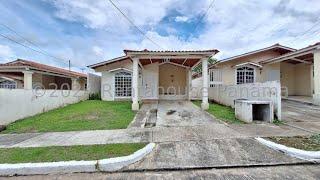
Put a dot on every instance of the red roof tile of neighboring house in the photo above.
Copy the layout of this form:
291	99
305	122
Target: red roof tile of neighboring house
41	67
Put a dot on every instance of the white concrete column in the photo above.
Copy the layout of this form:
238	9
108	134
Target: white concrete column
27	79
205	103
316	79
189	85
75	84
135	84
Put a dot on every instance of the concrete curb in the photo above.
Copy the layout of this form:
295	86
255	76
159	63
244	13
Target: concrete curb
111	164
298	153
114	164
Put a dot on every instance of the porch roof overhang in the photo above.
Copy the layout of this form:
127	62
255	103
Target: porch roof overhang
304	55
181	58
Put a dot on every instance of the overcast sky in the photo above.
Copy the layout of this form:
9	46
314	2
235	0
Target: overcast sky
90	31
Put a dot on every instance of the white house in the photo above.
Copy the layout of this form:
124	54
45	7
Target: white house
152	75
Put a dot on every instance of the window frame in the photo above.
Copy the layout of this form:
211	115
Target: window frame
245	75
124	80
5	85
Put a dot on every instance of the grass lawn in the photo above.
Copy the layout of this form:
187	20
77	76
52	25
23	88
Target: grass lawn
86	115
67	153
309	143
221	112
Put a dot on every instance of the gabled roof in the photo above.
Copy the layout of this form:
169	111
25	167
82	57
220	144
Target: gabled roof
121	58
280	47
23	64
302	53
248	63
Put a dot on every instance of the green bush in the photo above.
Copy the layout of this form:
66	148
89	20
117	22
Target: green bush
94	96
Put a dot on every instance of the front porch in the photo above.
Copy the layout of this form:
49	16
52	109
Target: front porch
166	75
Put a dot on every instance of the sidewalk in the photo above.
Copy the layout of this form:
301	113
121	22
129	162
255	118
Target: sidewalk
156	134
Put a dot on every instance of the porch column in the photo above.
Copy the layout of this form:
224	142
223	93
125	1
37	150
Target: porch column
316	78
27	79
189	80
135	84
205	103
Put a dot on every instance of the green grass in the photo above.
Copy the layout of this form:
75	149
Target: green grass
86	115
277	122
309	143
67	153
221	112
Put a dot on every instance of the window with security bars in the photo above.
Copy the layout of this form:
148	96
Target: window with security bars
245	75
8	84
123	83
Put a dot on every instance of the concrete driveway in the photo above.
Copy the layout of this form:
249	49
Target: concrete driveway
218	153
182	113
301	115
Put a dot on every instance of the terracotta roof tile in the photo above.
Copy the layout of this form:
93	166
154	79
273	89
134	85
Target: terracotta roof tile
43	67
183	51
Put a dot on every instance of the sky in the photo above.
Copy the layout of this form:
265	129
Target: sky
86	31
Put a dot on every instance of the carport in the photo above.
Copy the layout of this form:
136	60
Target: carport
300	74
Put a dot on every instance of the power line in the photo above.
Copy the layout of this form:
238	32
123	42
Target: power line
17	42
39	50
204	14
307	31
34	44
132	23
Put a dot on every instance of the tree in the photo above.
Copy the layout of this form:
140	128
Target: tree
198	68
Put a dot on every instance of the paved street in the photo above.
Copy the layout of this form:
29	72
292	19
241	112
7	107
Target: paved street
295	172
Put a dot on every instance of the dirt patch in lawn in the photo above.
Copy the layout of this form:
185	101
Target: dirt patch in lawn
309	143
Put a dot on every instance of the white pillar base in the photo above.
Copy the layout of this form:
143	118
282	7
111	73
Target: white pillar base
135	106
205	105
316	99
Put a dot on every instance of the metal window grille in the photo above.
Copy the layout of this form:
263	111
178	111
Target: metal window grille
8	84
245	75
123	83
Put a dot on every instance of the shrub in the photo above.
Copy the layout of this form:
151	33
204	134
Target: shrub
94	96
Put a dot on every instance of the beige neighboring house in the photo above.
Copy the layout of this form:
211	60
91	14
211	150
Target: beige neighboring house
297	70
151	75
24	74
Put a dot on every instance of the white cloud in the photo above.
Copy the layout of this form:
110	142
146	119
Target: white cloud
101	13
97	50
6	53
181	19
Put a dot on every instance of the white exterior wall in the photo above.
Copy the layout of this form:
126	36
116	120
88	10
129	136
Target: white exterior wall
93	83
150	81
107	86
16	104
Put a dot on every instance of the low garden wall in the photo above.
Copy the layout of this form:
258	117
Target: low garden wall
20	103
226	94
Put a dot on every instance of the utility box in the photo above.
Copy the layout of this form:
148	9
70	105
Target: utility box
254	110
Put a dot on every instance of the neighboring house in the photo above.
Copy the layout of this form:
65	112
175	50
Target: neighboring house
297	70
151	75
23	74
